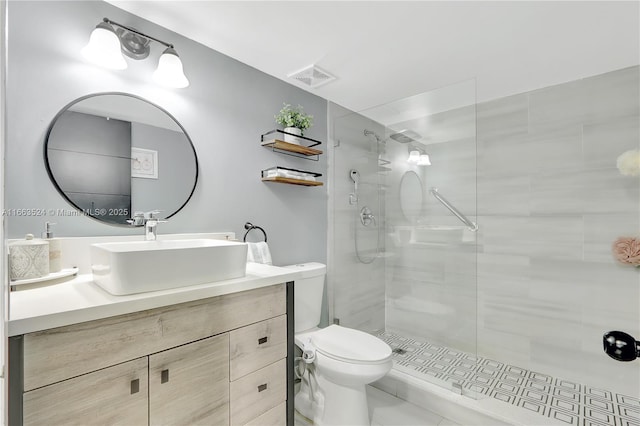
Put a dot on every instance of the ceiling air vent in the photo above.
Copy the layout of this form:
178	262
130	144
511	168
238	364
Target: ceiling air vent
312	76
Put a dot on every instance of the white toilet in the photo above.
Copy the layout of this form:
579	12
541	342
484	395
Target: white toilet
342	360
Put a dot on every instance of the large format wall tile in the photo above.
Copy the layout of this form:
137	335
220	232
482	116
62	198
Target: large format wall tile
534	236
604	140
600	230
548	286
503	117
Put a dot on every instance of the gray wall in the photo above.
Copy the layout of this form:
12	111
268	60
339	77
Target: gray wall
224	110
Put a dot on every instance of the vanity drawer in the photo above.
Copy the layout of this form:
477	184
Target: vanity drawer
114	396
64	352
258	392
277	416
257	346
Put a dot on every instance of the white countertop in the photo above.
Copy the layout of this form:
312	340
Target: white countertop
81	300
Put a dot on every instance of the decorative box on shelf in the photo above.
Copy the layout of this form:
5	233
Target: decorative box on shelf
275	140
291	176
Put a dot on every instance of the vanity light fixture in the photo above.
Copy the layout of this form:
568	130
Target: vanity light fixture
103	48
106	48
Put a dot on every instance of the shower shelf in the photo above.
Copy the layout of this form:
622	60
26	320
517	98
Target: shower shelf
274	140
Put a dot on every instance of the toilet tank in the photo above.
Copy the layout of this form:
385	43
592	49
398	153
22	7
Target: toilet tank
307	295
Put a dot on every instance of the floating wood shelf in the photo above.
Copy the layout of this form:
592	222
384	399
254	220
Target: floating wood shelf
291	147
279	179
273	140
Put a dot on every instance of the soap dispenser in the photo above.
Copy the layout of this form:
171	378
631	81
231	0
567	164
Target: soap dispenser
55	249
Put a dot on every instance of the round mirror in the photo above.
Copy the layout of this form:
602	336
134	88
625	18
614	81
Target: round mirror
411	196
113	154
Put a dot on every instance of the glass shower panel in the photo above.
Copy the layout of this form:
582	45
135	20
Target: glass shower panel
416	263
357	222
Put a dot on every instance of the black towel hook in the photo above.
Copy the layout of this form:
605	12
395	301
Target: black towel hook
249	227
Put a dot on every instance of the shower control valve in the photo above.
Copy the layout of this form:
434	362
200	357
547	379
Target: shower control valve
367	217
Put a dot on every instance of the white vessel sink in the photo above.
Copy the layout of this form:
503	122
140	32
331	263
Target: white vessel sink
141	266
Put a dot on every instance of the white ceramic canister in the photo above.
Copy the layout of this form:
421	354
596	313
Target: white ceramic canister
28	258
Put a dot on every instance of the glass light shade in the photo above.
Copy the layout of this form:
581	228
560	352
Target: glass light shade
103	48
170	72
414	157
424	160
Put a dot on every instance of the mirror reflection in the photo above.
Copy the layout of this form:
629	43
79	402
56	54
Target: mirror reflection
114	154
411	196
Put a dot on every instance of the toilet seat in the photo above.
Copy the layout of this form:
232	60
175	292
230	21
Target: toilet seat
351	346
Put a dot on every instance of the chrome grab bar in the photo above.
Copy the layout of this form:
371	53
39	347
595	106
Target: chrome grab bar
471	225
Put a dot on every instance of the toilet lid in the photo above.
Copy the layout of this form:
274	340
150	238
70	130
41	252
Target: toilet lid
350	345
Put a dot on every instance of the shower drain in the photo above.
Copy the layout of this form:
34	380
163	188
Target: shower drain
399	351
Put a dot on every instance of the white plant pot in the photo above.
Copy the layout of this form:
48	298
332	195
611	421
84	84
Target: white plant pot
291	138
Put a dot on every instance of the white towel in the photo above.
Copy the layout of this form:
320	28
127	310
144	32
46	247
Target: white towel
290	174
259	253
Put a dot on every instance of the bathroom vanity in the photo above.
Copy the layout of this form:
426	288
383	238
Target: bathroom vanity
216	354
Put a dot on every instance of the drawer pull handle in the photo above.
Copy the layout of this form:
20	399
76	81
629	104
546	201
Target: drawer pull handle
135	386
262	387
263	340
164	376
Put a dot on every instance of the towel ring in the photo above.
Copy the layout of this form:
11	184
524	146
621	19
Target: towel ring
250	227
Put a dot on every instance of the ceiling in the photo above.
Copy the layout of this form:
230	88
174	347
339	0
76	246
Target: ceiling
382	51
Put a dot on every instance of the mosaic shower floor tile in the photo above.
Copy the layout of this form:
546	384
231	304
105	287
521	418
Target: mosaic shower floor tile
565	401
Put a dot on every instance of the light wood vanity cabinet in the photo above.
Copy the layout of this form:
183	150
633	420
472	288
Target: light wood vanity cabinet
218	361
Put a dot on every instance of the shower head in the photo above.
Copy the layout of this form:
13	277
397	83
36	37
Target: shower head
355	176
405	136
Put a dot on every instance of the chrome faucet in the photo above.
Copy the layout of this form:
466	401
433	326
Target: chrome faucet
150	222
151	225
151	230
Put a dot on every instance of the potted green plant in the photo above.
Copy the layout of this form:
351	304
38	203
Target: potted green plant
295	121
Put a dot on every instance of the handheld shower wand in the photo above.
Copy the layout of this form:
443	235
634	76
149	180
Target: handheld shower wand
355	177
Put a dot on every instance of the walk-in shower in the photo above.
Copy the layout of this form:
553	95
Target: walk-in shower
493	274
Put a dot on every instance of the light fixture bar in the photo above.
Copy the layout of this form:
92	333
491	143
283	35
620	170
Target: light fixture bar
106	47
140	33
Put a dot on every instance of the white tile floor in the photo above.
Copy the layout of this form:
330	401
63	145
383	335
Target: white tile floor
387	410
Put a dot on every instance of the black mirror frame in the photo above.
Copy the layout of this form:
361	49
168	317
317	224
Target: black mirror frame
75	101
